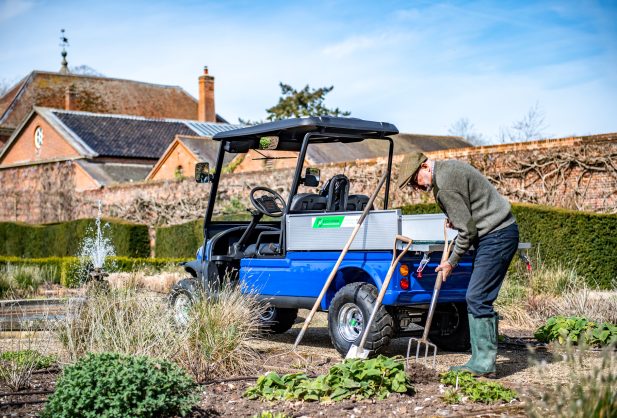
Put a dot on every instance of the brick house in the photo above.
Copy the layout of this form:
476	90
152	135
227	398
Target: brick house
104	148
183	153
95	94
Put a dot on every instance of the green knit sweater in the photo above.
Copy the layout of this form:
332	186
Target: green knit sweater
473	205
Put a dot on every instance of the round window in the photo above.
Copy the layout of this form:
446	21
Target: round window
38	137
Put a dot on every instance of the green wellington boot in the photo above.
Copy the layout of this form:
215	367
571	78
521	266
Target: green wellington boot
483	333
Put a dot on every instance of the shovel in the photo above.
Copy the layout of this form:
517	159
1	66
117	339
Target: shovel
359	351
431	310
339	261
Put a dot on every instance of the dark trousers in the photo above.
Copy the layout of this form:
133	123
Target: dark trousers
493	255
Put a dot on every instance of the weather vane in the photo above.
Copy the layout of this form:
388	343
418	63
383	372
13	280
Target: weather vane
64	42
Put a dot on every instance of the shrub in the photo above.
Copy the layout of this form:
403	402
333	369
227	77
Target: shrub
183	240
33	357
16	367
219	332
577	329
179	240
64	239
116	385
475	390
579	239
123	321
354	378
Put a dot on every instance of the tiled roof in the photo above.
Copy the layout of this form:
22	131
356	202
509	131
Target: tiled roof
111	136
108	173
205	149
130	136
95	94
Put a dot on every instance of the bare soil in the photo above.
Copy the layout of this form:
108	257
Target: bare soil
529	372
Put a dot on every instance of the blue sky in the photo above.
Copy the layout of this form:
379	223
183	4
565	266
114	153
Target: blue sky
421	65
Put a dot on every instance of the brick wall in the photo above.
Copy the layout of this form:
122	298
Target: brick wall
577	173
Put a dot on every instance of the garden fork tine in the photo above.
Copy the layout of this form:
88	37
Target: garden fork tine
431	310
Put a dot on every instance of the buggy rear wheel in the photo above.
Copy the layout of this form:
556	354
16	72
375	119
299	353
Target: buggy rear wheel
275	320
348	313
450	329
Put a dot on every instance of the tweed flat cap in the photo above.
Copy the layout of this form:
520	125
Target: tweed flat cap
410	164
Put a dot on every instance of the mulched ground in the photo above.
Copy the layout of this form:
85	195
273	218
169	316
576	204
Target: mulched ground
225	398
316	356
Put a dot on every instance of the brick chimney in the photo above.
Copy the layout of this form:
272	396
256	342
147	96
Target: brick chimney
70	99
205	108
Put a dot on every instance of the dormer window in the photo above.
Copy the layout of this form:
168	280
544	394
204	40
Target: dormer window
38	138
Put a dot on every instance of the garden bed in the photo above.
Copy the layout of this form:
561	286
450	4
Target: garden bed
316	356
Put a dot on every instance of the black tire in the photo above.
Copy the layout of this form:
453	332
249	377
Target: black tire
453	335
182	296
277	320
354	303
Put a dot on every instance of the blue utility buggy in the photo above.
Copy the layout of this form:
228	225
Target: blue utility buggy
285	253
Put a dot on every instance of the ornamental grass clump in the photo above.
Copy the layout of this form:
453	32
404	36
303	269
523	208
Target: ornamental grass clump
22	281
218	334
126	321
117	385
589	392
355	378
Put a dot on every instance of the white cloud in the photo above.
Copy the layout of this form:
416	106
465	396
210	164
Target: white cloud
11	8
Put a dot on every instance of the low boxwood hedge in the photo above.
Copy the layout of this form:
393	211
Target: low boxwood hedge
586	241
65	239
70	271
179	240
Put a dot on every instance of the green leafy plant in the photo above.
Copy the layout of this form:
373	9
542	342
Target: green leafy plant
475	390
270	414
116	385
576	330
16	367
358	379
36	359
452	396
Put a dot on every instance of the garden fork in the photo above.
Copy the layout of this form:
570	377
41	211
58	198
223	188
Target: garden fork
431	310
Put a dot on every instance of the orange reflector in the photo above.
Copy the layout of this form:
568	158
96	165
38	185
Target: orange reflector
404	283
404	270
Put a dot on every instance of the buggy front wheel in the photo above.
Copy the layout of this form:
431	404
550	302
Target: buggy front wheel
182	296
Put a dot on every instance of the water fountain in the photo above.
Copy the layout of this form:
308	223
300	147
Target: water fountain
95	250
34	314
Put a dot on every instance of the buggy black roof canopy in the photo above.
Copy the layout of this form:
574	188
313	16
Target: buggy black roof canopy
293	130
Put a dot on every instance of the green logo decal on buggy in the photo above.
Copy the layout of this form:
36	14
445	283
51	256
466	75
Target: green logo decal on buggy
328	221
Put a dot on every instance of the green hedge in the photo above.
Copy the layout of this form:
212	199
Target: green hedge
179	240
583	240
70	271
65	239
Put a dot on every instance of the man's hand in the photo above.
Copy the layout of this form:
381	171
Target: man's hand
445	268
449	224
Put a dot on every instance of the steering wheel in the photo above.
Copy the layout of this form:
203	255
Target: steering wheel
267	203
